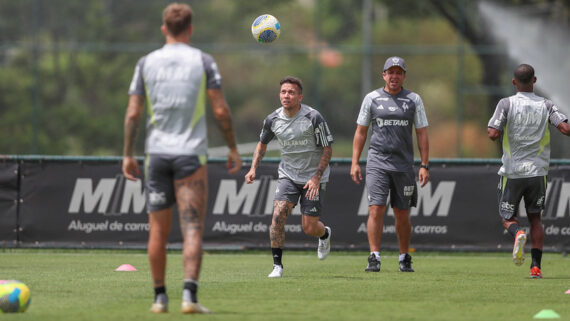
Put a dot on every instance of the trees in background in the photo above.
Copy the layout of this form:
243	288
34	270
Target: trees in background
65	66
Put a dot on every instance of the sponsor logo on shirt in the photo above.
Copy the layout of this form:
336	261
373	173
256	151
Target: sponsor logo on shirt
392	108
382	98
295	142
525	167
404	99
392	122
380	107
528	137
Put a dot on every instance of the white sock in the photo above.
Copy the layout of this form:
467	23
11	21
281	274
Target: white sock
402	257
376	254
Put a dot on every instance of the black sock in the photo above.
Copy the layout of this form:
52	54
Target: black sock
324	237
536	257
159	290
277	254
513	229
193	288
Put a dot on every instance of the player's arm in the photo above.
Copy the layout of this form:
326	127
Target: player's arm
423	145
224	119
313	185
499	119
132	120
258	154
357	145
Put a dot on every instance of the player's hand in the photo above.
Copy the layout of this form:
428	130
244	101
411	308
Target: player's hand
130	168
250	176
312	188
423	176
234	161
356	173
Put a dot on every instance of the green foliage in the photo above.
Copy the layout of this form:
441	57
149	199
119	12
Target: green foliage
65	66
82	285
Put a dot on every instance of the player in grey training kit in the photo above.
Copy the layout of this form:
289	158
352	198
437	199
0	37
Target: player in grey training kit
305	141
177	79
392	111
521	123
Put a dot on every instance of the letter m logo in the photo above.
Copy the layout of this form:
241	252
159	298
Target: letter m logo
83	193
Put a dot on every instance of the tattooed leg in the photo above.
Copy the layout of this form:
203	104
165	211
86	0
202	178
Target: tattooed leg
281	210
159	224
192	199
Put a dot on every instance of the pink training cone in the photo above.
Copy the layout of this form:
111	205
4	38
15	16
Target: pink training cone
126	267
568	292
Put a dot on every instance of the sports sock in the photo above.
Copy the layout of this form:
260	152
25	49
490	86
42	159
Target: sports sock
402	257
190	291
513	229
324	237
277	254
536	255
159	290
376	254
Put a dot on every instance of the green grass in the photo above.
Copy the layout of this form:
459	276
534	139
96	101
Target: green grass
82	285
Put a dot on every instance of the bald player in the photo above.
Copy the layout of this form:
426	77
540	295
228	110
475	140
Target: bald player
520	122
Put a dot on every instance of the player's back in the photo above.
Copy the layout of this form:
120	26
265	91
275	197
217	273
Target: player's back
526	139
174	78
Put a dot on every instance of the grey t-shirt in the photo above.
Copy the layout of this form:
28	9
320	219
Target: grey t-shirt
175	78
302	138
523	119
392	118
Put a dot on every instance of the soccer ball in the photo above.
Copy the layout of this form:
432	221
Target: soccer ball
14	296
265	28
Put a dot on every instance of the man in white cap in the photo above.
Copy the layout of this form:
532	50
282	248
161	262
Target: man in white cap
392	111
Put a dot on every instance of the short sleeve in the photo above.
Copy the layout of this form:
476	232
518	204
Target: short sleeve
137	83
267	133
213	77
364	114
420	118
554	115
500	116
323	135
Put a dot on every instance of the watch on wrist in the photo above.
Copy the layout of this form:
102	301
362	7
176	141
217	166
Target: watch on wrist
424	166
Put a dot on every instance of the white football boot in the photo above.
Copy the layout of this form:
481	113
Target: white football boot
324	246
277	271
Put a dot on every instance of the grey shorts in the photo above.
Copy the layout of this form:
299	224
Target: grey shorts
401	186
288	191
160	172
511	191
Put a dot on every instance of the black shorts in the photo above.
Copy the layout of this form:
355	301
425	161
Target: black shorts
401	186
512	190
288	191
160	172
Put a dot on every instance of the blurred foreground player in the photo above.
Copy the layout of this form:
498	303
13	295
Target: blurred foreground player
521	121
177	79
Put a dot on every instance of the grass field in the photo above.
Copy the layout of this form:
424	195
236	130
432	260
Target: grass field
82	285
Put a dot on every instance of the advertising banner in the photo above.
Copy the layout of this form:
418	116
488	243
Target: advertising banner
91	204
8	202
